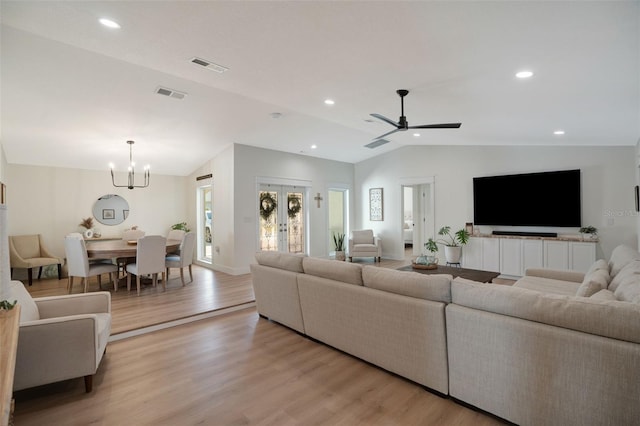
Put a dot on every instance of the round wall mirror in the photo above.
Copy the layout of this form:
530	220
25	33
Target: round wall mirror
111	209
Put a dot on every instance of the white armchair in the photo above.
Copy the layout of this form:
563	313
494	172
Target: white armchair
61	337
364	244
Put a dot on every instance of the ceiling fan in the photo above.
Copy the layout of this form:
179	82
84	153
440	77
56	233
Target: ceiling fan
403	125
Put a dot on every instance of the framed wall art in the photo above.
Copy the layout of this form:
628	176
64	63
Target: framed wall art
376	204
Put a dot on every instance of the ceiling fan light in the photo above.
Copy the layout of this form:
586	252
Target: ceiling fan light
329	102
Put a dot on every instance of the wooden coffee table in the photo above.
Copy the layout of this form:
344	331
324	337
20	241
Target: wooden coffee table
470	274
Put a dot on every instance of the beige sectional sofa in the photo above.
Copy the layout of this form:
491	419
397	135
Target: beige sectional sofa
389	318
556	348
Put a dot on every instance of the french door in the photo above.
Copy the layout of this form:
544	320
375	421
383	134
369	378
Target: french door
282	212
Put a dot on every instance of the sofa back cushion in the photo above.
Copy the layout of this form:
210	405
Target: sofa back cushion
631	268
629	289
435	287
287	261
350	273
28	308
615	319
620	256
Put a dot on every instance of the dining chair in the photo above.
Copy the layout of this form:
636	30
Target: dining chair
176	234
129	235
29	251
184	258
150	255
78	263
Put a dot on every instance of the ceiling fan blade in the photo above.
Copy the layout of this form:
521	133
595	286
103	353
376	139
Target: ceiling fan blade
386	134
438	126
385	119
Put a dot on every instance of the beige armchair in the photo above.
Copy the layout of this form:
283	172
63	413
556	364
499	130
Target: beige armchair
61	337
364	244
28	252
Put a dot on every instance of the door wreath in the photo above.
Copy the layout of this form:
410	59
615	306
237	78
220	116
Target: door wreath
267	205
294	205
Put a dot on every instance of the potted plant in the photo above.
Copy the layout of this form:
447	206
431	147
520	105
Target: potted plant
453	243
338	243
589	230
182	226
432	247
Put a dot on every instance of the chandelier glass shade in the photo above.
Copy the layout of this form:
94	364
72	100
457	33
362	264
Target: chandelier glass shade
131	174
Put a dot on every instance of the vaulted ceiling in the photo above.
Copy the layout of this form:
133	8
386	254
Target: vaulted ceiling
73	91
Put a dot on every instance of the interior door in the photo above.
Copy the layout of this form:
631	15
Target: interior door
282	213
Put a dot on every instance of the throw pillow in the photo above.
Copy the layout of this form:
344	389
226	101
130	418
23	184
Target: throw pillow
598	264
604	294
593	283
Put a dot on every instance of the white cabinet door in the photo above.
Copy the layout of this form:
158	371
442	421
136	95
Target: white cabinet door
532	254
491	254
472	253
556	254
511	256
581	255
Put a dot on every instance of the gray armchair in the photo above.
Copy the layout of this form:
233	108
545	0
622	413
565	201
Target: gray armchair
61	337
364	244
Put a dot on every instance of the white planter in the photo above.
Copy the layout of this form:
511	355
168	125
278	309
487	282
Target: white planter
452	254
340	255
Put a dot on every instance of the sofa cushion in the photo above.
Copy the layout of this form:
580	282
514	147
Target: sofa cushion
593	282
604	294
28	308
629	269
290	262
548	285
350	273
435	287
615	319
620	256
629	288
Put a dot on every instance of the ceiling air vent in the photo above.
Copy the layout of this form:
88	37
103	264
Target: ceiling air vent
170	93
209	65
377	143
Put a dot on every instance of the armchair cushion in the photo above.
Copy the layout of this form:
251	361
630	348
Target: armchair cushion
28	308
364	236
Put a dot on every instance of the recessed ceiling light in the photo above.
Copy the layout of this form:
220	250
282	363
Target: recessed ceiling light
276	114
558	132
109	23
314	146
329	101
417	135
524	74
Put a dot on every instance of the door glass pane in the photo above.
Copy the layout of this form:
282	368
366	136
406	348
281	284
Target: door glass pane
205	225
268	220
295	222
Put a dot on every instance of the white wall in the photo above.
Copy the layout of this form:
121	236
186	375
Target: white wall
52	202
251	163
608	178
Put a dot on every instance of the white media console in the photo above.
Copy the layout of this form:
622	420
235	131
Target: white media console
513	255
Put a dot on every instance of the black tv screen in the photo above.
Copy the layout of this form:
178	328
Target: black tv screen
531	199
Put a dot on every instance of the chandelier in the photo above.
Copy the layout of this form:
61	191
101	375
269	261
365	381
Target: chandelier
131	172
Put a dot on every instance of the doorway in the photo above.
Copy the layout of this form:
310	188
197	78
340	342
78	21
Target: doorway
418	213
282	212
205	223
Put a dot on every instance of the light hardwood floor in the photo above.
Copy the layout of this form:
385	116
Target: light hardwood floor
236	368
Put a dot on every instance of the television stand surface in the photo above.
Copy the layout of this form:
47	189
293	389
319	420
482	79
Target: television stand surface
526	234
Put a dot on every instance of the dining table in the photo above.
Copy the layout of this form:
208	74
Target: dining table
109	249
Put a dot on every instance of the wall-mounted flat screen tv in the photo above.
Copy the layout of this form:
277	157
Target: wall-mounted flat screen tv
532	199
